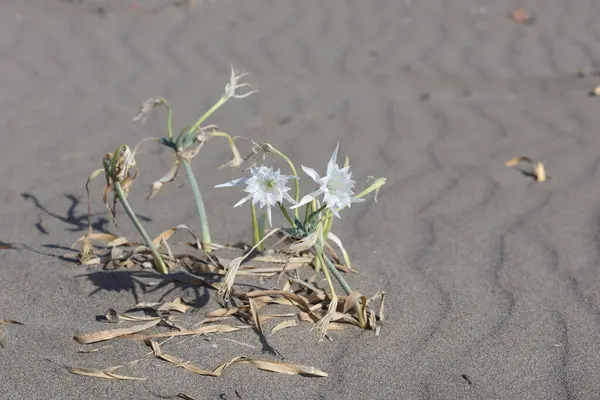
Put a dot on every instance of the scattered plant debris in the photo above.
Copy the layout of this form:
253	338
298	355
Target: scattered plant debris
538	171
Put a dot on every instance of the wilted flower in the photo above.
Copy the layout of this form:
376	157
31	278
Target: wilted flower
336	186
265	187
234	84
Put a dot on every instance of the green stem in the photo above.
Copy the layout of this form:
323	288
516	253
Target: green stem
315	213
207	114
262	227
307	211
255	232
343	283
336	273
321	257
158	261
200	209
285	214
328	224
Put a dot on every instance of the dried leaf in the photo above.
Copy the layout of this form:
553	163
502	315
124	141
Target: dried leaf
147	107
351	301
381	309
540	172
121	241
237	159
323	324
178	305
95	337
102	373
224	312
334	326
168	177
164	236
339	244
114	317
282	325
288	295
282	368
234	265
517	160
198	331
267	258
307	242
254	312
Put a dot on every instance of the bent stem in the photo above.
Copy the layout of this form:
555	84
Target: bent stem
158	261
200	209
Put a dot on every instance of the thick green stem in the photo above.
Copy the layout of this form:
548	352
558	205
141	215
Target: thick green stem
200	209
255	231
158	261
336	273
345	286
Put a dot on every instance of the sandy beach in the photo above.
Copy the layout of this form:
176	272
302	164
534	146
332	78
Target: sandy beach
492	279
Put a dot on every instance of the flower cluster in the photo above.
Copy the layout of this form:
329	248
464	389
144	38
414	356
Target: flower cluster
268	188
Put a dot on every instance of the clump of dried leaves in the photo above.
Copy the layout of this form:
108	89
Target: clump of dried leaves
294	258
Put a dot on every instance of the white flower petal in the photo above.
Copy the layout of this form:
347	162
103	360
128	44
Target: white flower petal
312	173
335	212
232	183
242	201
264	186
289	198
333	159
307	199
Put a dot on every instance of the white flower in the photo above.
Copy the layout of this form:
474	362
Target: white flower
265	187
336	186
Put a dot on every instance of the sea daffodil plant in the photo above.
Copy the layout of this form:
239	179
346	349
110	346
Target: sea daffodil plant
308	237
268	188
190	140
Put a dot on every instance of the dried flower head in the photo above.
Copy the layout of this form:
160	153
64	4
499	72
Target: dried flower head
234	84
